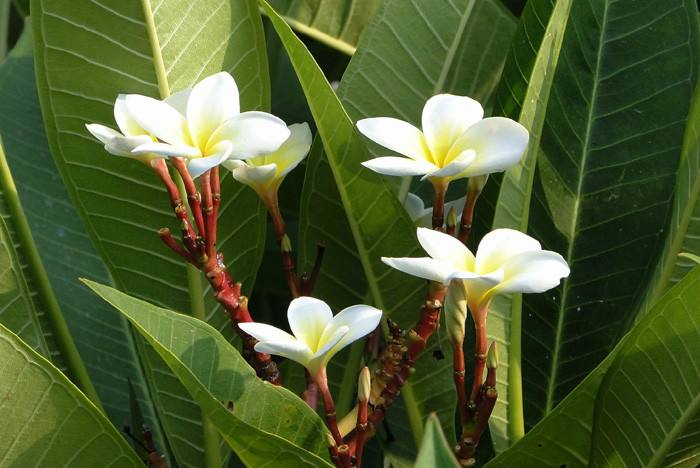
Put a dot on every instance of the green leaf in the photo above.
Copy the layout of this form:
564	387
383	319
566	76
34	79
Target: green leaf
523	94
267	424
103	339
610	151
338	24
682	240
86	53
46	420
434	450
397	67
564	436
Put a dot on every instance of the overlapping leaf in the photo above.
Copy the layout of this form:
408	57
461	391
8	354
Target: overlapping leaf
262	423
86	53
46	420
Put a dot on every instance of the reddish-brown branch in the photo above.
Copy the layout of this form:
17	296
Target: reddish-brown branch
167	238
439	205
361	431
216	202
307	284
310	394
155	459
459	372
193	196
285	245
208	209
480	348
465	225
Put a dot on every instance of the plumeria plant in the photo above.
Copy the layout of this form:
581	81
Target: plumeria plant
482	233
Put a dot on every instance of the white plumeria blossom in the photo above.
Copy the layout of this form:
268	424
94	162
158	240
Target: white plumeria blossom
506	261
130	136
455	141
317	334
204	125
422	216
265	173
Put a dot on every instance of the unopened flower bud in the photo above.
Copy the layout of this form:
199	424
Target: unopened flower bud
476	184
452	217
492	356
330	441
364	384
456	311
286	244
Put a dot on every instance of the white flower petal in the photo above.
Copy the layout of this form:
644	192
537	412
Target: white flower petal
179	100
124	145
415	207
396	135
212	101
102	133
360	320
308	318
482	288
158	118
425	267
326	350
251	134
454	168
293	150
199	166
500	245
181	151
272	340
254	176
446	248
533	272
395	166
499	143
264	332
125	121
445	117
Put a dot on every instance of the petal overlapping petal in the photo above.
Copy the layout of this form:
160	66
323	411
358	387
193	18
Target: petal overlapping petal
253	176
533	272
445	117
360	320
217	155
454	168
446	248
125	121
213	101
252	134
159	119
396	135
499	245
308	318
164	149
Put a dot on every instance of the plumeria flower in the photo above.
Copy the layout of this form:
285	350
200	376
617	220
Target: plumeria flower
265	173
204	125
422	216
130	136
506	261
318	335
455	141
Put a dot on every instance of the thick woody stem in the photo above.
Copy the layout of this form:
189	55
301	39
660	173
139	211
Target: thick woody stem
480	348
361	431
439	205
465	225
459	372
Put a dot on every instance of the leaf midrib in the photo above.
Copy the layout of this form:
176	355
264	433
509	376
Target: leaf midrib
549	404
452	50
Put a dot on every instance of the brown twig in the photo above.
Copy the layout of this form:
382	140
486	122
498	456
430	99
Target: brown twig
459	373
362	407
439	205
465	225
310	394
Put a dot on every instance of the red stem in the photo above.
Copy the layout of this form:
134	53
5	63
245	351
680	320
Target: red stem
439	205
480	349
459	372
467	220
361	431
193	197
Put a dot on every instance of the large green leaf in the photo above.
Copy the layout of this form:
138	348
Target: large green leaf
46	421
103	339
262	423
338	24
523	94
86	53
564	436
604	178
397	67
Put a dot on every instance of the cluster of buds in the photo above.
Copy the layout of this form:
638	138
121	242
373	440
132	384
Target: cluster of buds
196	130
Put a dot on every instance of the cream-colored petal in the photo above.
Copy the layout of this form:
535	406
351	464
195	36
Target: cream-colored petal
253	176
264	333
360	320
414	207
500	245
446	248
125	121
102	133
456	311
425	267
480	289
396	135
455	168
179	100
199	166
308	318
396	166
158	118
533	272
445	117
213	101
251	134
125	145
164	149
499	144
272	340
293	150
327	350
